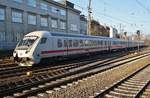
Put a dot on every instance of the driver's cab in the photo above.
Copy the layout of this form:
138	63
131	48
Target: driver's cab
28	49
26	43
25	49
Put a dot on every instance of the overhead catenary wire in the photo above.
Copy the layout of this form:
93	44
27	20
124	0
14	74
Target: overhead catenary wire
143	6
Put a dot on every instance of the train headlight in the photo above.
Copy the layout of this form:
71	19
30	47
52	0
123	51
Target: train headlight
31	62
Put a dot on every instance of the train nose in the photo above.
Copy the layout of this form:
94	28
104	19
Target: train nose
14	54
16	57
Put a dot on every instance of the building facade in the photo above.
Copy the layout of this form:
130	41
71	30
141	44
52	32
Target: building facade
113	32
83	25
19	17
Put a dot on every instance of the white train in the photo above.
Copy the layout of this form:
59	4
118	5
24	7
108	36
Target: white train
38	45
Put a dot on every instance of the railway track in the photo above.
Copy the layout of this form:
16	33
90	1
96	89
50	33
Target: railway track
18	70
11	69
136	85
50	80
4	61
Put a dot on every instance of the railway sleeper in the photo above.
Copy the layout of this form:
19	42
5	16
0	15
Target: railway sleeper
125	91
137	84
114	93
127	88
109	96
131	86
134	81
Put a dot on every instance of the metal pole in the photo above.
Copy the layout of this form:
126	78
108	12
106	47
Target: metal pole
66	23
89	18
66	16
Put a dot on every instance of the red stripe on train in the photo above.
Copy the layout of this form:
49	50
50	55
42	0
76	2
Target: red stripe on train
70	50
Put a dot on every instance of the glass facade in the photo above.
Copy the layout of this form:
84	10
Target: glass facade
54	23
2	14
62	12
2	36
31	3
54	9
31	19
62	25
43	6
18	1
17	16
44	21
73	27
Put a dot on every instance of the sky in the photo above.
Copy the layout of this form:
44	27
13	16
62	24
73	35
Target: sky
125	15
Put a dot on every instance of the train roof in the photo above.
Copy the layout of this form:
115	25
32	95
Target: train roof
43	33
81	36
47	33
75	35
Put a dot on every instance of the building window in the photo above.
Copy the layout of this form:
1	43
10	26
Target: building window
2	36
32	19
2	14
62	12
17	16
54	23
18	1
44	21
43	6
31	3
54	9
17	36
62	25
73	27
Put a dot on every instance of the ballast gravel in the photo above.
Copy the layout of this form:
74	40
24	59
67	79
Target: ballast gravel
94	84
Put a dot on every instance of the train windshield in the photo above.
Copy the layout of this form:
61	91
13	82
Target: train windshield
27	41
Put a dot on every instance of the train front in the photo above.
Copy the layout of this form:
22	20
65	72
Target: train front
24	51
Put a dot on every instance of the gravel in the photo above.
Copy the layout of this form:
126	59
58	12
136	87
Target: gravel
94	84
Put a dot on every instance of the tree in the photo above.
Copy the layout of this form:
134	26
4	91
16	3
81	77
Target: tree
98	29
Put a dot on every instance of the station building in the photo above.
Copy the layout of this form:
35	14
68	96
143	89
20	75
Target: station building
19	17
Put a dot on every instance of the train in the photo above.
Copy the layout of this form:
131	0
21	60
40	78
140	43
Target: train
38	45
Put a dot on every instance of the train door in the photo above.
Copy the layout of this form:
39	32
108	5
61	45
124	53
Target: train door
59	46
45	46
109	45
66	48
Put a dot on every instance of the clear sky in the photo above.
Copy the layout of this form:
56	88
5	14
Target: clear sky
130	15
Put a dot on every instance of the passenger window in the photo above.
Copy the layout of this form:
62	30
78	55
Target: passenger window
81	43
70	43
43	40
65	43
59	43
75	43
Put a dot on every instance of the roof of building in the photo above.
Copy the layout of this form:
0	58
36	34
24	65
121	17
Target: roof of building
62	5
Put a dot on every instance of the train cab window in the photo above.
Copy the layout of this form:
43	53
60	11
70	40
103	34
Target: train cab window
59	43
43	40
